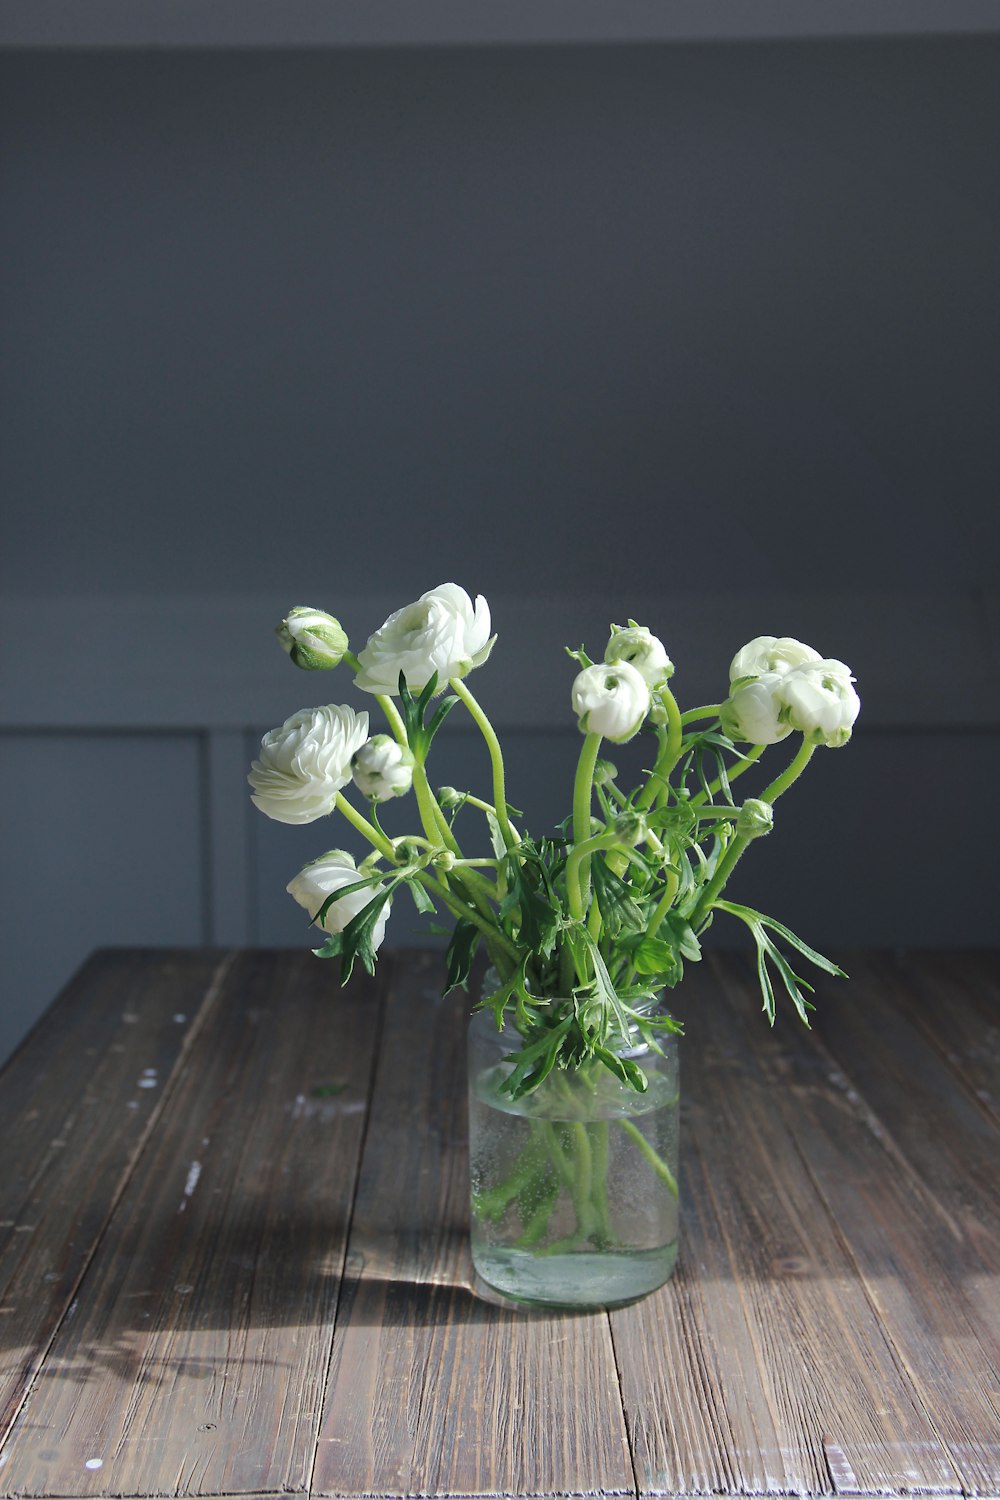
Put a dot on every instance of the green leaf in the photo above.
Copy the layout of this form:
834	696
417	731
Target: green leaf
683	935
747	912
421	897
620	912
461	951
624	1068
347	890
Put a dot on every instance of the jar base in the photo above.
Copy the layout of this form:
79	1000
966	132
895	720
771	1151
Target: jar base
576	1279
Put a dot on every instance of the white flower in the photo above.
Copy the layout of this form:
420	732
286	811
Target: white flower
304	764
642	650
752	712
382	768
769	653
321	878
441	633
611	699
313	639
819	700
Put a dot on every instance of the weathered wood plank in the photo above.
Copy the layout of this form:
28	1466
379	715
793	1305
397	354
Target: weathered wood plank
924	1159
194	1361
432	1391
954	1000
76	1104
928	1264
763	1368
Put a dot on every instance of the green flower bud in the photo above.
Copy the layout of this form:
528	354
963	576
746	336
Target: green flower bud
444	861
604	772
755	819
313	639
630	828
449	797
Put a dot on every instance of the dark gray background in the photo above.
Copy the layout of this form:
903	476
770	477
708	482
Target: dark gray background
688	324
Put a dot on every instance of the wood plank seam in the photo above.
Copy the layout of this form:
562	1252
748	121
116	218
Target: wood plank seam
211	994
625	1415
384	976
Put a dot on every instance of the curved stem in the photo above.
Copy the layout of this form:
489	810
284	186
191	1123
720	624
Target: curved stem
728	861
669	755
495	939
368	830
496	757
709	711
387	706
655	1160
750	759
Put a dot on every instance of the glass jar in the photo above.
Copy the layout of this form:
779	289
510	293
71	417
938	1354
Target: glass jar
574	1186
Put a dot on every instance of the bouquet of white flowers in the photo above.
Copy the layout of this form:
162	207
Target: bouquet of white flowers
587	925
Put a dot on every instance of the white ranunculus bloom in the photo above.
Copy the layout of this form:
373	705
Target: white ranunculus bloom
304	764
752	712
313	639
819	700
611	699
770	653
382	768
642	650
321	878
441	632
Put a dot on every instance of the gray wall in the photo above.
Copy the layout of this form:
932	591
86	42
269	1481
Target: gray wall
706	334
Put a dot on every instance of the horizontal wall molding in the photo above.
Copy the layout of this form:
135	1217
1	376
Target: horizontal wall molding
318	23
212	664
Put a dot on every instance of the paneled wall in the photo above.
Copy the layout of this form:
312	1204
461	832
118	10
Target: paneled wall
702	334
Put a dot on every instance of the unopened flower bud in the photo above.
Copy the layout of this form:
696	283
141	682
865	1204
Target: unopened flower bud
630	828
382	768
444	861
449	797
642	650
610	699
313	639
604	772
755	818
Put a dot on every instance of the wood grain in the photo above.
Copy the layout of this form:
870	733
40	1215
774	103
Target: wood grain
195	1357
764	1367
77	1103
433	1392
238	1249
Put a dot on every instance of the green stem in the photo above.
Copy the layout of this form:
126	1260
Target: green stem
739	766
656	1161
494	937
431	816
728	861
488	807
385	704
793	770
669	755
371	833
574	869
460	690
583	788
436	825
709	711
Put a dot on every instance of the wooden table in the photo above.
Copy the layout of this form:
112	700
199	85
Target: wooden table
233	1248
